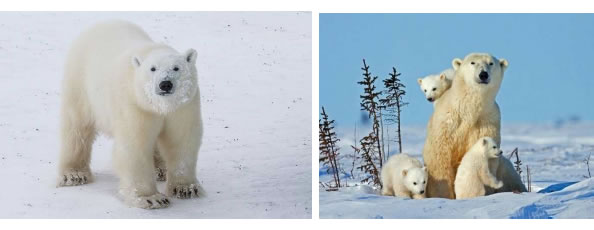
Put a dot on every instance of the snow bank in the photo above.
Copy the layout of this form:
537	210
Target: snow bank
575	201
554	153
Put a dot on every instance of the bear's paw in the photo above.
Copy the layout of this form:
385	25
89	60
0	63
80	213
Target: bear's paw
185	191
75	177
161	174
155	201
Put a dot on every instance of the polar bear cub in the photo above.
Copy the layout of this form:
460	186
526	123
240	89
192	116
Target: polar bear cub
433	86
145	96
404	176
474	172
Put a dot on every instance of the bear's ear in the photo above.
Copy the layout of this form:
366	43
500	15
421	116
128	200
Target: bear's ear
136	61
485	141
503	63
456	63
420	81
424	168
442	76
190	56
404	172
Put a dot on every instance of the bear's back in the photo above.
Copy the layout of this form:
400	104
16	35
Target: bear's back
99	66
403	161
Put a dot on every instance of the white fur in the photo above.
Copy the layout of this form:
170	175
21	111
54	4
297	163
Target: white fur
465	113
404	176
109	87
474	172
433	86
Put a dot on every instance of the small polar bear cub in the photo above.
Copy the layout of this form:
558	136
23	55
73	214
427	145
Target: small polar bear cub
144	95
474	170
404	176
433	86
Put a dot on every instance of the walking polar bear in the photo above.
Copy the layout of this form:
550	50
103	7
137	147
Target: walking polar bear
143	94
465	113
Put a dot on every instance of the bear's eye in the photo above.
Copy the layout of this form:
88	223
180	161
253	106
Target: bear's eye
153	69
490	63
423	182
415	183
472	63
494	147
425	90
175	68
434	89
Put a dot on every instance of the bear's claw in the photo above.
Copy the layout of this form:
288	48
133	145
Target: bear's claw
186	191
161	174
74	178
153	202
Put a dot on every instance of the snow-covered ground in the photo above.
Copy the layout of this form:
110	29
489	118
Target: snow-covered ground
255	80
555	154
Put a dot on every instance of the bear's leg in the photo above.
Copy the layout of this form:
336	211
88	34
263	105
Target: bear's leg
77	137
489	179
387	191
400	193
418	196
134	159
160	167
179	144
438	184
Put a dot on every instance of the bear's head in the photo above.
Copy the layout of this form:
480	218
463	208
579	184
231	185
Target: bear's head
489	147
433	86
415	180
165	79
481	70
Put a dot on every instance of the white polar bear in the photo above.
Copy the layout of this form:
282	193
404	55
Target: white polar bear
433	86
475	172
143	94
404	176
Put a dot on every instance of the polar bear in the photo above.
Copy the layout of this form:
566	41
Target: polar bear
433	86
465	113
474	172
145	96
404	176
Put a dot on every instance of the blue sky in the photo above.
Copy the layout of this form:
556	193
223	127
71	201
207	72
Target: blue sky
551	60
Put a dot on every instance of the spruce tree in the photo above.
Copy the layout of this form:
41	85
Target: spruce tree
393	102
328	149
371	149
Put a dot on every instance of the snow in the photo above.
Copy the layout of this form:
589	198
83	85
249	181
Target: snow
255	81
555	154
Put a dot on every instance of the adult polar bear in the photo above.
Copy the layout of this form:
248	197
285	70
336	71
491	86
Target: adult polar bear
466	113
145	95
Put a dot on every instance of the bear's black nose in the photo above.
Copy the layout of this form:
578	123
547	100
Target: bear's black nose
166	86
430	99
484	75
423	191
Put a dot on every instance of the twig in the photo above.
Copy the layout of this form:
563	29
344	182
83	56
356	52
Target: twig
528	179
518	162
587	161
